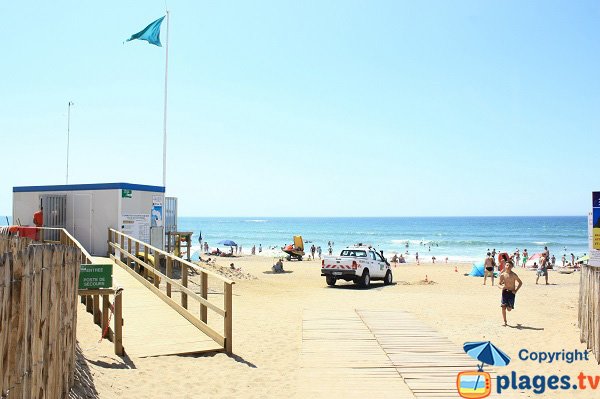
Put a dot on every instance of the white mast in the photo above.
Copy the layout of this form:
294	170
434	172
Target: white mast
68	136
165	110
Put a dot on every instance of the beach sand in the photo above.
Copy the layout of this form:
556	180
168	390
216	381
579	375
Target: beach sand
268	331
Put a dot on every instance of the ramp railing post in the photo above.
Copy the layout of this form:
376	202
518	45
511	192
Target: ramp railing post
204	294
169	272
184	282
118	327
228	317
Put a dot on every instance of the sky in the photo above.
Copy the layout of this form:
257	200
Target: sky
287	108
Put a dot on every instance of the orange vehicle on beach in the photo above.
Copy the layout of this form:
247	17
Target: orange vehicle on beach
295	250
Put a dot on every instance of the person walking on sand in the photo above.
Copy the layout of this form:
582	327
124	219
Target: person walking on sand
509	283
572	259
542	270
313	249
525	257
259	248
488	270
319	251
564	260
417	258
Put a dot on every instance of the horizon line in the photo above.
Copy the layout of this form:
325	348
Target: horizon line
381	216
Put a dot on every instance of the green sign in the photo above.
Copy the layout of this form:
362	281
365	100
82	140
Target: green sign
95	276
126	193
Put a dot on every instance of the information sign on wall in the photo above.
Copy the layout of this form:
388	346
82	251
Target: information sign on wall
157	211
136	226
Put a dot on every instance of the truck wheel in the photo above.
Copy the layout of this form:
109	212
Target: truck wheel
388	278
300	258
365	280
330	280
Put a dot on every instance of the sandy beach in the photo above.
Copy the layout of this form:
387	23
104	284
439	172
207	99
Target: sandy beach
267	330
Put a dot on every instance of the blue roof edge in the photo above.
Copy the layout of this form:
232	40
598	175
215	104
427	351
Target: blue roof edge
82	187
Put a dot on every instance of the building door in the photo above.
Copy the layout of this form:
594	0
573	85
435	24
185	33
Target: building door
55	214
82	220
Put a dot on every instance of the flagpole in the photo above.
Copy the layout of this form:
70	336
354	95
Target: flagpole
165	109
68	136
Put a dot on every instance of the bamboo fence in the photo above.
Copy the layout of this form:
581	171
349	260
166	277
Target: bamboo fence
589	308
38	318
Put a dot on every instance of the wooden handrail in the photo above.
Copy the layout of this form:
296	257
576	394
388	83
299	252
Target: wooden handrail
180	260
116	242
76	243
191	293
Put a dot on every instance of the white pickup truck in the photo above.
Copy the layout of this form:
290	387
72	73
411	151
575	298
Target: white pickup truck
359	264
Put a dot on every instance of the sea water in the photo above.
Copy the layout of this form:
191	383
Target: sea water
461	239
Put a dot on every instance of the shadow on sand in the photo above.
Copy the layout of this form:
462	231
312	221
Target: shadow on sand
351	286
84	387
283	272
237	358
522	327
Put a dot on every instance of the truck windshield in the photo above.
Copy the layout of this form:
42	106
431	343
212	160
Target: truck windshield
352	252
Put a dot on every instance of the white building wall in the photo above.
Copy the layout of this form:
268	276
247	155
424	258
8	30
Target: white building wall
106	210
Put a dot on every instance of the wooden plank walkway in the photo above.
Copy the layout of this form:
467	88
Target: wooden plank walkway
341	358
150	326
379	354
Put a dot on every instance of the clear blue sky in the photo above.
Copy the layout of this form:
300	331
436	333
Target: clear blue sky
312	108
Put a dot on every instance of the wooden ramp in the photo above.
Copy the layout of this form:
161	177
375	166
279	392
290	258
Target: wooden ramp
379	354
150	326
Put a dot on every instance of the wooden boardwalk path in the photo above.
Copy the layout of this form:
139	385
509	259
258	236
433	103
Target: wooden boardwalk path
150	326
378	354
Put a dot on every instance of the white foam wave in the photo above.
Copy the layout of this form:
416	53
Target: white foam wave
411	242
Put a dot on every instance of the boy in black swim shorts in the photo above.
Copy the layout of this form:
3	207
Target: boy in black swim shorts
509	283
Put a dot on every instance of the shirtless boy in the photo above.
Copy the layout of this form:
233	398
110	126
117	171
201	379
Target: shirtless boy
508	281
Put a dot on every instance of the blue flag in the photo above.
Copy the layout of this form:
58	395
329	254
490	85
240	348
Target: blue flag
150	33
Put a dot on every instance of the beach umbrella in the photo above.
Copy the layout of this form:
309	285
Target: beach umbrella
535	258
487	353
228	243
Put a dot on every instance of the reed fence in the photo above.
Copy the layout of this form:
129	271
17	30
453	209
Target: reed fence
38	317
589	308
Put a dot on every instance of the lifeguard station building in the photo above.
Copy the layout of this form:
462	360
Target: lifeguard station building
88	210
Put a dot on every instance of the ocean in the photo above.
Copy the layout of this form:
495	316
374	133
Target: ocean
461	239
